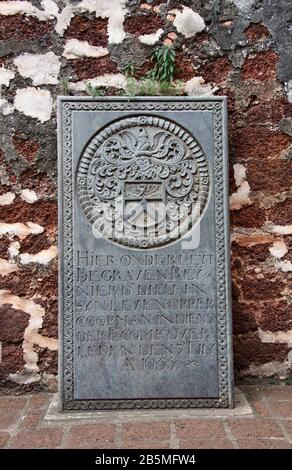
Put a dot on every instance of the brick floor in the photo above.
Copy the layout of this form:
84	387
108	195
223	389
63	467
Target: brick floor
206	444
90	436
146	445
188	429
281	408
4	436
263	444
288	427
44	438
22	425
153	432
257	428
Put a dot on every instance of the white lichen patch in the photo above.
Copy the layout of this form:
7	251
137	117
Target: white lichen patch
151	39
64	19
6	76
75	49
50	7
114	10
42	69
277	368
251	238
196	86
282	229
289	91
108	80
188	22
13	250
244	5
279	249
31	337
43	257
25	8
34	102
283	337
20	230
28	196
7	198
284	266
5	107
6	267
241	197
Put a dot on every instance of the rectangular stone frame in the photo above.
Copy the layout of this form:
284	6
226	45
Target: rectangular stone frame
218	105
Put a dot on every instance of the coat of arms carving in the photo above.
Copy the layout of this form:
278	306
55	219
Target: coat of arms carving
143	181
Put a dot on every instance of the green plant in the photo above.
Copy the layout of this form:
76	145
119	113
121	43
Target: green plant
158	81
288	381
163	70
148	87
120	92
174	88
131	87
179	87
94	91
130	69
64	82
273	381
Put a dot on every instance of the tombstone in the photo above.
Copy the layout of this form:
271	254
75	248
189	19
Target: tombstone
145	318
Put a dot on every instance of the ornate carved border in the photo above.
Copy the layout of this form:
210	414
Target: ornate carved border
66	107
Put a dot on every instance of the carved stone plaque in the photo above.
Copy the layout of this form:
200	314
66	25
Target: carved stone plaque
144	255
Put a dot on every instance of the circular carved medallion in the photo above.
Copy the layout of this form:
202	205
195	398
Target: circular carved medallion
142	181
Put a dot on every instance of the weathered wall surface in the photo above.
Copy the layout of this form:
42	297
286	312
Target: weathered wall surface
238	48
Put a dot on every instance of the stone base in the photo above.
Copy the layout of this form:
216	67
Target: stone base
242	408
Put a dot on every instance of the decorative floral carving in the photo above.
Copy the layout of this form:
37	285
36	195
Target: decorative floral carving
153	153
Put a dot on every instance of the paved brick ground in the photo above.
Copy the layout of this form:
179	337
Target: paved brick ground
22	425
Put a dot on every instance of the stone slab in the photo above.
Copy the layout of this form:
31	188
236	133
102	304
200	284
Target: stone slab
145	318
242	408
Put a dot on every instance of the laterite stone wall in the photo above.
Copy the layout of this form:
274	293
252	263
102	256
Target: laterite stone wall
239	48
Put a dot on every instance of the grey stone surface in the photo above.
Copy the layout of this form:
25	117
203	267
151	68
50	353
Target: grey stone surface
242	408
144	262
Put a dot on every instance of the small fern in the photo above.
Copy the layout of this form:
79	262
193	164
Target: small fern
131	87
94	91
64	83
148	87
130	69
163	70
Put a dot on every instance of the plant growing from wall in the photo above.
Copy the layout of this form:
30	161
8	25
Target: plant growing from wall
94	91
64	84
159	80
130	69
163	70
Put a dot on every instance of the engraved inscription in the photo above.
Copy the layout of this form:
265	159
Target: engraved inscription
133	309
143	181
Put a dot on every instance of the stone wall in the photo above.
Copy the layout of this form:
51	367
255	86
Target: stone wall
237	48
